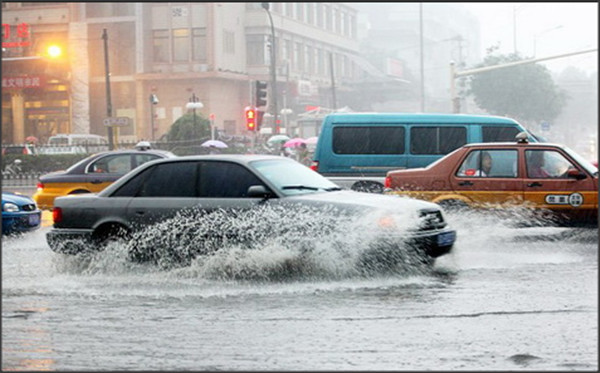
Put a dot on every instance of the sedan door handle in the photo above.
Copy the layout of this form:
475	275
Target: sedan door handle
465	183
97	181
534	184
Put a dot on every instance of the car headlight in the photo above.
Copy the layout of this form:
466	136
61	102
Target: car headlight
10	207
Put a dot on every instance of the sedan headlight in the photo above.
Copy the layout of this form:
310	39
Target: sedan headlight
10	207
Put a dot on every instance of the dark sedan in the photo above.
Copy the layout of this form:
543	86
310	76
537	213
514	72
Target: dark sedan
93	173
161	189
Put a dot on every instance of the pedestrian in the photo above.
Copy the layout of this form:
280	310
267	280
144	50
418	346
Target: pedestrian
304	155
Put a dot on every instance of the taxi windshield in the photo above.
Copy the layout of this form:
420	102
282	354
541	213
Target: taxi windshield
293	178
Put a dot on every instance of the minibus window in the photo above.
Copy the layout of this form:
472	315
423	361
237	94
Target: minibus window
496	133
436	140
368	140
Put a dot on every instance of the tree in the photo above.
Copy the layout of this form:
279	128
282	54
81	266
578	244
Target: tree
526	92
183	128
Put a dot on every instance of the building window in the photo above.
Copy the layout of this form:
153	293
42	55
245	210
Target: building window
199	44
336	20
319	15
160	42
228	42
300	12
97	10
310	18
255	6
255	50
298	58
181	46
319	62
327	17
309	59
289	9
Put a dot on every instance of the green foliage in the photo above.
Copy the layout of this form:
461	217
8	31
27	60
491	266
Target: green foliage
184	129
525	92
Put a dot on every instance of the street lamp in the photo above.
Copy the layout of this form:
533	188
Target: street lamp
153	101
194	104
273	98
535	36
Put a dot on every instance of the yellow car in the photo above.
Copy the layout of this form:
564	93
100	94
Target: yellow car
92	174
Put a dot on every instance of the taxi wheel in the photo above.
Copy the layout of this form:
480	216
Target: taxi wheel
79	191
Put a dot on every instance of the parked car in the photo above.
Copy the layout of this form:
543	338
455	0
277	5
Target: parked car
26	149
544	176
160	189
94	173
19	214
355	150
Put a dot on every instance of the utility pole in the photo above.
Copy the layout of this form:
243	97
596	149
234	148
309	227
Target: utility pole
422	59
273	98
111	144
334	104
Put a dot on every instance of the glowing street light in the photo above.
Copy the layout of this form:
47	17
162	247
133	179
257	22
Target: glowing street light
54	51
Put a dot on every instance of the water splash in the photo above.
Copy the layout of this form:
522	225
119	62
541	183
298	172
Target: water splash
266	243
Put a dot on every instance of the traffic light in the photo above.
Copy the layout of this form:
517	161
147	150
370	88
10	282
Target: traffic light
250	119
260	96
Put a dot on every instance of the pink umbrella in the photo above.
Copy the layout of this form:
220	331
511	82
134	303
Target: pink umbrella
292	143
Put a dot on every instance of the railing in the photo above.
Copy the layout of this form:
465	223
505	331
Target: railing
29	179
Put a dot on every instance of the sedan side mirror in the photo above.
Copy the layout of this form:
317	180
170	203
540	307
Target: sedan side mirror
575	174
258	191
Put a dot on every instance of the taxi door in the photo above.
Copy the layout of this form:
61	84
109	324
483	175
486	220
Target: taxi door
489	178
555	181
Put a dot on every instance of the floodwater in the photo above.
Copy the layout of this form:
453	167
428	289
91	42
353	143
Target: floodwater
507	298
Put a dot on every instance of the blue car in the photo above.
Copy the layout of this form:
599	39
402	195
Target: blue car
19	214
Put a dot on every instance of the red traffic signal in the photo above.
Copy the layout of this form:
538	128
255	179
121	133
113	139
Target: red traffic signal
250	119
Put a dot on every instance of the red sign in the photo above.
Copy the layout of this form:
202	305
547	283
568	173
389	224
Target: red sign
17	82
15	36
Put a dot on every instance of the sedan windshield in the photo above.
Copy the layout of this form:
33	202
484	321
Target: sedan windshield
292	178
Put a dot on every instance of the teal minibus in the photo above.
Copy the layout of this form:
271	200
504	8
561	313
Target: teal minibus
356	150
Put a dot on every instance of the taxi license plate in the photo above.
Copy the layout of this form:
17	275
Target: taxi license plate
34	219
446	238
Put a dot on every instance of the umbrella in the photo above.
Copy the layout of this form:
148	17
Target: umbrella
214	143
312	140
296	141
31	139
277	139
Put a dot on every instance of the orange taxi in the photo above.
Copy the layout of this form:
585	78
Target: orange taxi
542	176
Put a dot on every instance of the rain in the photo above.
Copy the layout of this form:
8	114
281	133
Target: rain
275	287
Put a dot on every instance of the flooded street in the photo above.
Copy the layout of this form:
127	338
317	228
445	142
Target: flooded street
506	299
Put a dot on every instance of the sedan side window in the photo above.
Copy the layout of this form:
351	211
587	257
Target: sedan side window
140	159
173	179
226	180
114	164
489	163
547	164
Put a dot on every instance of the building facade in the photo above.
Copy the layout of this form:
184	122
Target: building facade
173	51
